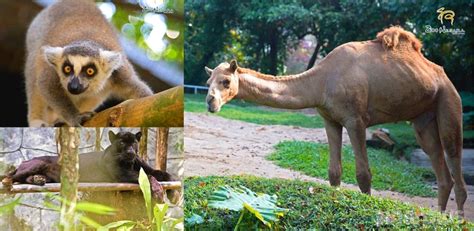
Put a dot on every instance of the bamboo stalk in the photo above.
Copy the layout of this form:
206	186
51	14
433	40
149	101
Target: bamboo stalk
164	109
85	187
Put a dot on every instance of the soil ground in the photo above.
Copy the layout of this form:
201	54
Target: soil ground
223	147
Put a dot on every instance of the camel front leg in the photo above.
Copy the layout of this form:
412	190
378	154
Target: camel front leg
356	131
334	134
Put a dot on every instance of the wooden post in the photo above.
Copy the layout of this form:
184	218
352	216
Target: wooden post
161	148
68	159
143	144
98	147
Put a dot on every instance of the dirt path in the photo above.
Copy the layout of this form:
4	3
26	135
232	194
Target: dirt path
218	146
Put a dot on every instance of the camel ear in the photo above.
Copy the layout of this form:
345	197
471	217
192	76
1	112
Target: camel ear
208	71
233	65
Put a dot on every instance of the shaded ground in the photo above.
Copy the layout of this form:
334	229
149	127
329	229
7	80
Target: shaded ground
218	146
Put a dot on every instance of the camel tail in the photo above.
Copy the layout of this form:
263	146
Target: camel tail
395	37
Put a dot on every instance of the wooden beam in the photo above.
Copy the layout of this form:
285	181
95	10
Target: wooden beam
85	187
164	109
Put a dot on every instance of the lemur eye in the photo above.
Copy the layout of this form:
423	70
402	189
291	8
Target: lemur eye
67	69
90	71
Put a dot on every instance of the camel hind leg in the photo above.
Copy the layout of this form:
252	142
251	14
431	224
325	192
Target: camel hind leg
449	120
426	132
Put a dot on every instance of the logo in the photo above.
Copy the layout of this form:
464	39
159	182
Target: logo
445	14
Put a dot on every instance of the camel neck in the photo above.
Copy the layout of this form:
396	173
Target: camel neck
290	92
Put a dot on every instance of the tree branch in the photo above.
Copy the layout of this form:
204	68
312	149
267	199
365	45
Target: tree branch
164	109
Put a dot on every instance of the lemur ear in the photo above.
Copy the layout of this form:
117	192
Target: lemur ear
52	54
138	136
208	71
111	60
112	136
233	65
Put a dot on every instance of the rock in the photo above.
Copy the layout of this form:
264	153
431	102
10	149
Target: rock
420	158
380	138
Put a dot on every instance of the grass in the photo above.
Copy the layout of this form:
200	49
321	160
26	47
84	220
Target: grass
401	132
313	206
388	173
248	112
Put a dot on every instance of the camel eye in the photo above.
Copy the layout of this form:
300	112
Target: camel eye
226	83
67	69
90	71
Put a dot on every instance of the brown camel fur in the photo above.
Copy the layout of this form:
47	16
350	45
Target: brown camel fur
360	84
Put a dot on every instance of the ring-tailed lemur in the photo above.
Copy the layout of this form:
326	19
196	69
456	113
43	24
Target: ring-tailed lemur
74	63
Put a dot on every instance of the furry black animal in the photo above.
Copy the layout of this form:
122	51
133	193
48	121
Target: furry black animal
117	163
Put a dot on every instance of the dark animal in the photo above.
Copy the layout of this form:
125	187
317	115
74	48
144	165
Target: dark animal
117	163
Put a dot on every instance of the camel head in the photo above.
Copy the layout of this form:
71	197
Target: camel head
223	85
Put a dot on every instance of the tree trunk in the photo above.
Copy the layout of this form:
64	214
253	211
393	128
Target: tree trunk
69	142
274	51
313	58
98	147
143	144
161	148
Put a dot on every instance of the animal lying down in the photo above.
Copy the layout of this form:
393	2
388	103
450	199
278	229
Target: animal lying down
117	163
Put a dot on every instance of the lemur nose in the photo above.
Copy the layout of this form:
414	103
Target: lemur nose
74	86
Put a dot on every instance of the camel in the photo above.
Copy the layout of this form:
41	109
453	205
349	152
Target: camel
360	84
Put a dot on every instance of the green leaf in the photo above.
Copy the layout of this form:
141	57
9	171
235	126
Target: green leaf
95	208
194	219
120	225
159	211
145	187
9	206
262	206
176	222
88	221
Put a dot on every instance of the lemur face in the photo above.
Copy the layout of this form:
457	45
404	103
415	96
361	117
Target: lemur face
82	68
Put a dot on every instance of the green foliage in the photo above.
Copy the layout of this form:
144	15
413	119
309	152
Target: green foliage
136	29
259	33
145	187
388	173
7	207
251	113
81	209
243	200
313	206
156	213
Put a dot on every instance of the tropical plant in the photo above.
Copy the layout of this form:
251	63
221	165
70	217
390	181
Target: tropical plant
250	204
156	213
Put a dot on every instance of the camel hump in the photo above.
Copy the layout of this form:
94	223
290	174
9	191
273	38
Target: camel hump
396	37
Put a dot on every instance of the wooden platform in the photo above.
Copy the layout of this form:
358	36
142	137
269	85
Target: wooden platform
87	187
